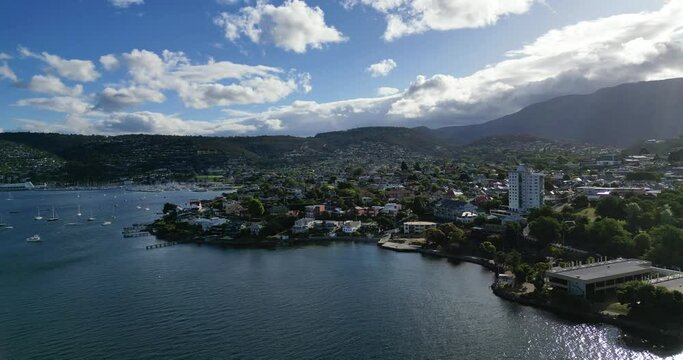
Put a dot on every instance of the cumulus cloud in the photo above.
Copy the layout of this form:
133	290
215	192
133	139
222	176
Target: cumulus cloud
386	91
4	56
125	3
109	62
406	17
382	68
77	70
579	58
52	85
293	26
111	99
145	122
65	104
204	85
7	73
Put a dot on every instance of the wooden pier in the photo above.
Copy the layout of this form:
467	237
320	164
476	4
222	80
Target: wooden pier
161	245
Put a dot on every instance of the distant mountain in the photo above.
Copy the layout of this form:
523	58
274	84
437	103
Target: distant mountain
622	116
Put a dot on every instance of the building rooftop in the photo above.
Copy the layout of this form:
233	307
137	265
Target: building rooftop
671	282
418	223
604	270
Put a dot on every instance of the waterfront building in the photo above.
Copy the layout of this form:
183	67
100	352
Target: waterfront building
17	186
526	189
417	227
587	280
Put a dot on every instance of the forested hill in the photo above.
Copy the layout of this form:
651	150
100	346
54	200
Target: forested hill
621	116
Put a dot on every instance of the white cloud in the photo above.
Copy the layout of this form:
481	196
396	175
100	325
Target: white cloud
382	68
405	17
126	3
4	56
291	26
65	104
146	122
111	99
386	91
52	85
77	70
7	73
201	86
109	62
575	59
580	58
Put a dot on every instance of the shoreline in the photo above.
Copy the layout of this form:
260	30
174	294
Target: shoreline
639	329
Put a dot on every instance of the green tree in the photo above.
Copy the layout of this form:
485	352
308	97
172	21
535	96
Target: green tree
546	229
404	166
611	206
610	237
488	248
667	246
435	236
642	242
255	207
580	202
169	208
522	273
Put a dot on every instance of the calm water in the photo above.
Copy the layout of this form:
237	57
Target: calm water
88	293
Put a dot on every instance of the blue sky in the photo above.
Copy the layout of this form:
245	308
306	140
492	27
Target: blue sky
236	67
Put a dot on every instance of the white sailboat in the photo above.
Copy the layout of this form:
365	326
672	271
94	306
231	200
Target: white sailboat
38	217
79	211
9	196
2	224
54	216
91	218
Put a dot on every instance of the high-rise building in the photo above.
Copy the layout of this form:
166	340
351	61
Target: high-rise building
526	189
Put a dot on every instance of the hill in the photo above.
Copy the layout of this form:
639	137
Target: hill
621	116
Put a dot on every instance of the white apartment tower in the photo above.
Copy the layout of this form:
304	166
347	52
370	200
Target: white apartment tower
526	189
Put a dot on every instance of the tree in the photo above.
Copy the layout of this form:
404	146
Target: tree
522	273
580	202
417	167
435	236
546	229
419	205
488	248
255	207
513	234
667	246
404	166
456	238
170	208
611	206
642	242
610	237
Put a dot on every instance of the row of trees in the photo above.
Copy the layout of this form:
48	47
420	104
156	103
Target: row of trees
634	226
654	304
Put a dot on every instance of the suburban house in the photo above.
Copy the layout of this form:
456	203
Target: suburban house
449	209
391	209
313	211
302	225
351	226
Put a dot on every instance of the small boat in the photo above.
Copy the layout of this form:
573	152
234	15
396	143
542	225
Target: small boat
34	238
106	223
9	196
79	210
91	218
39	217
54	216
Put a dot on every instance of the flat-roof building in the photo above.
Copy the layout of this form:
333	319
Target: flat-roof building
589	279
417	227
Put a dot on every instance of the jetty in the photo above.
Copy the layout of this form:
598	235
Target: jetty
161	245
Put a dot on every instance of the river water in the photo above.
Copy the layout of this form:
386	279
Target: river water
86	292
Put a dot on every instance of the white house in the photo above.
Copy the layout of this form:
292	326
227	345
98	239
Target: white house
351	226
302	225
391	209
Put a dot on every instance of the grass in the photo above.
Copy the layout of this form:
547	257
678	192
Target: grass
617	308
589	213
